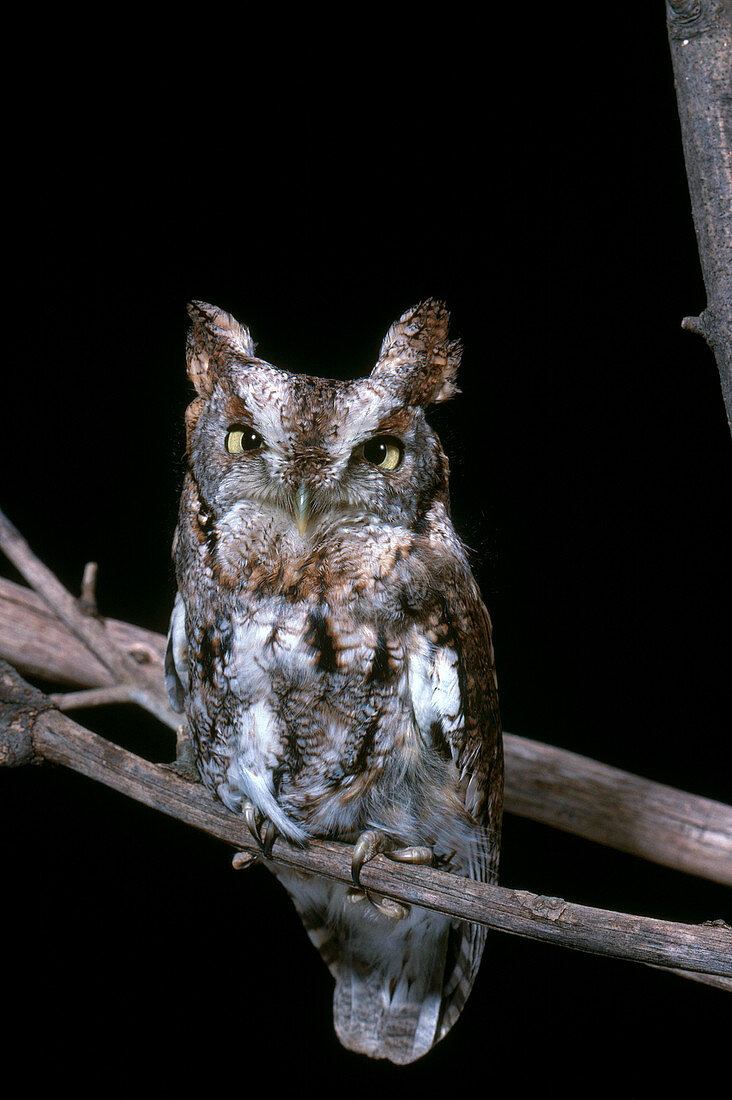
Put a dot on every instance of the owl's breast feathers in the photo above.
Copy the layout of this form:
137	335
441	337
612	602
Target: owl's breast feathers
341	685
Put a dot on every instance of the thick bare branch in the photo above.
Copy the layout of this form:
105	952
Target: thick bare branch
700	37
36	642
618	809
702	950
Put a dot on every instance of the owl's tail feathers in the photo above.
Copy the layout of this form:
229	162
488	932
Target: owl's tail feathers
386	1017
400	985
399	1005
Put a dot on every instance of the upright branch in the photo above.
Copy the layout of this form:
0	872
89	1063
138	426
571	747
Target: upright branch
700	37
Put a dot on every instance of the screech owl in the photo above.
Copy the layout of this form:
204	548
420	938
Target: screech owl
333	657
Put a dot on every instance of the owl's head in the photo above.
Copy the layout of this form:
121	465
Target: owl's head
310	451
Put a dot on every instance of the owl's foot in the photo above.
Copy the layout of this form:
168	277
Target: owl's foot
184	764
395	910
261	828
185	760
240	861
421	855
371	843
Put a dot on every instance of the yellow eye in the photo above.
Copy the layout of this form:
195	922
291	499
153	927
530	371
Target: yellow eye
239	440
384	451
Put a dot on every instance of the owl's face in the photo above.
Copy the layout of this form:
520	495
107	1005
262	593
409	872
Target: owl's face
309	452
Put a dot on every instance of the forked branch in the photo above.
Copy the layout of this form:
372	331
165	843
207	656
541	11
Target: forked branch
141	682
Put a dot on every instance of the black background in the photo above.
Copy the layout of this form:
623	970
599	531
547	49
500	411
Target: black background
534	179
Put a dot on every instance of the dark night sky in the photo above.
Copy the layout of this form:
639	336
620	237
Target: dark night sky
592	478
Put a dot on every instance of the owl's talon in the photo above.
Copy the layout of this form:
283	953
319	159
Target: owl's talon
251	817
418	855
394	910
241	861
255	823
370	844
270	835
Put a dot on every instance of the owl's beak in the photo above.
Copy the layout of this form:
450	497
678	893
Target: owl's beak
302	507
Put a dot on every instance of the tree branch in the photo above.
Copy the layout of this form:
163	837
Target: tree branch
30	728
613	807
700	38
34	639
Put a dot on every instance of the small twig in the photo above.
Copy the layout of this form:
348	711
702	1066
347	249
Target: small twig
703	950
94	697
88	597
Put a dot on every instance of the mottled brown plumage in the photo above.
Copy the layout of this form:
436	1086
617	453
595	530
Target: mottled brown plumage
332	653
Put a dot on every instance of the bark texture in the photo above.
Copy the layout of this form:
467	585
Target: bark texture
700	38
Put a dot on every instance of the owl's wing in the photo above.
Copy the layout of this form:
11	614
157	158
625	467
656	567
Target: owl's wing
476	742
455	700
176	656
473	736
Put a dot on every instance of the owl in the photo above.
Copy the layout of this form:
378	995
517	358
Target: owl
332	655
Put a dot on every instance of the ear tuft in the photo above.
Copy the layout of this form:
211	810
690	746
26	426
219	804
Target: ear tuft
213	339
417	358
